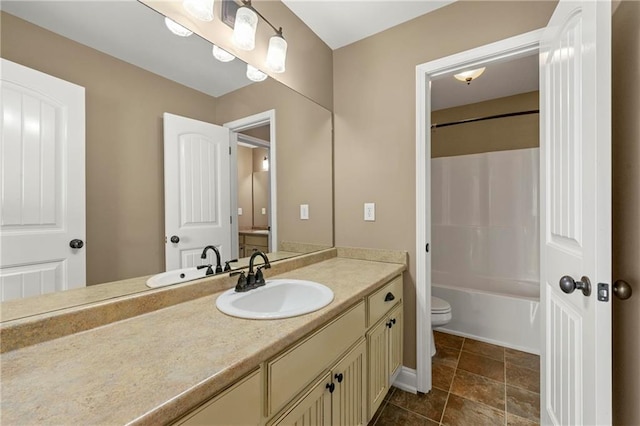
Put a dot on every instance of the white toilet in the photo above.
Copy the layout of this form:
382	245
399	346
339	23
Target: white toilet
440	315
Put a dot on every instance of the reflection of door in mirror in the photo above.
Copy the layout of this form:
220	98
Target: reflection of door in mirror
42	178
253	192
197	196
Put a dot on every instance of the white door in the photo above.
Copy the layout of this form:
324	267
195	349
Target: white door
42	170
196	191
575	82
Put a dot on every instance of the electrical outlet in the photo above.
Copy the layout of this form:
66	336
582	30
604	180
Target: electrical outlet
304	211
370	212
239	211
264	210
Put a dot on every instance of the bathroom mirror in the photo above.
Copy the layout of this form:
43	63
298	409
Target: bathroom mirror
125	99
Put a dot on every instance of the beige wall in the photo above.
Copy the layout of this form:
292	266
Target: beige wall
626	210
309	60
491	135
245	172
124	145
304	156
374	122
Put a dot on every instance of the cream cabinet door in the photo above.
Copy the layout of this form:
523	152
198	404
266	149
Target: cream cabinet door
395	339
312	409
350	380
378	366
238	405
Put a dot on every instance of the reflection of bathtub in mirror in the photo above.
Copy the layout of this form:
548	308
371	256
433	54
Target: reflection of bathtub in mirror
124	204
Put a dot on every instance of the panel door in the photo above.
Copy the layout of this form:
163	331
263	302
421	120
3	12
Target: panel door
395	339
197	191
378	366
314	408
43	183
349	397
575	171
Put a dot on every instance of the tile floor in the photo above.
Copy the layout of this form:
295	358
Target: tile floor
474	383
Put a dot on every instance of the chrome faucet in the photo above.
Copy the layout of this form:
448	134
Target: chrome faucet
257	279
204	256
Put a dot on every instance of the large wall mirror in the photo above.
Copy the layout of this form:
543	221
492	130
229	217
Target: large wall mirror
134	70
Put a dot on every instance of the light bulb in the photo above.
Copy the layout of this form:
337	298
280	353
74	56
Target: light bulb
222	55
200	9
277	53
254	74
244	30
176	28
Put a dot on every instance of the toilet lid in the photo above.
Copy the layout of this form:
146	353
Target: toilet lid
439	306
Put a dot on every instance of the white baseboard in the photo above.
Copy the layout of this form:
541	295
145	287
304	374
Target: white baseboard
407	380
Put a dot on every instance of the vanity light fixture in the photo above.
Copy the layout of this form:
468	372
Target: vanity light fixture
470	75
244	30
254	74
277	52
265	164
244	36
176	28
222	55
199	9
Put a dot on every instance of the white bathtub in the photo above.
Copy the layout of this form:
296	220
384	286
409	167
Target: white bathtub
501	312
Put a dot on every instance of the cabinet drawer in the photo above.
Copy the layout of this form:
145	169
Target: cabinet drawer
238	405
257	240
378	306
296	368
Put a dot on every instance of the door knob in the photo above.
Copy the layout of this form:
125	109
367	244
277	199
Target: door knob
175	239
76	244
568	285
622	289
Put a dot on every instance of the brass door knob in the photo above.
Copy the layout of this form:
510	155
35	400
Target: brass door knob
622	289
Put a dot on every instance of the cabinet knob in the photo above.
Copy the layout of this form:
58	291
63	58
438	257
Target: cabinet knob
389	297
393	320
331	387
339	377
389	324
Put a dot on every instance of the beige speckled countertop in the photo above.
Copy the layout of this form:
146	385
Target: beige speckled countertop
152	368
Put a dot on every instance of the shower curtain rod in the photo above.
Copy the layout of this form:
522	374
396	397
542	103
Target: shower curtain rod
489	117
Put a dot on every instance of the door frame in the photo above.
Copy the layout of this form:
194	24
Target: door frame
510	48
236	126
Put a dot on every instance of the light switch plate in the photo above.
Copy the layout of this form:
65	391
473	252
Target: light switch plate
239	211
304	211
370	212
264	210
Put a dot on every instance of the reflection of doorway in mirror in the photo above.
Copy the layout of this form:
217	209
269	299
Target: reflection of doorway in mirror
253	184
253	192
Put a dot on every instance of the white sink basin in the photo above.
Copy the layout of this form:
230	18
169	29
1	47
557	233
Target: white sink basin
176	276
277	299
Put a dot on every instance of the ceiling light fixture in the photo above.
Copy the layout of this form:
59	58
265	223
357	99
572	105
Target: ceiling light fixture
470	75
254	74
222	55
199	9
176	28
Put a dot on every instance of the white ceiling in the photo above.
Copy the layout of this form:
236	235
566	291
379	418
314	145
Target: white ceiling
136	34
342	22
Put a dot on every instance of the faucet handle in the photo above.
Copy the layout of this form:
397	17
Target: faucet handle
227	267
241	286
209	269
260	276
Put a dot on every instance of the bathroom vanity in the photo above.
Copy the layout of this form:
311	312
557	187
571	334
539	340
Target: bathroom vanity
188	363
